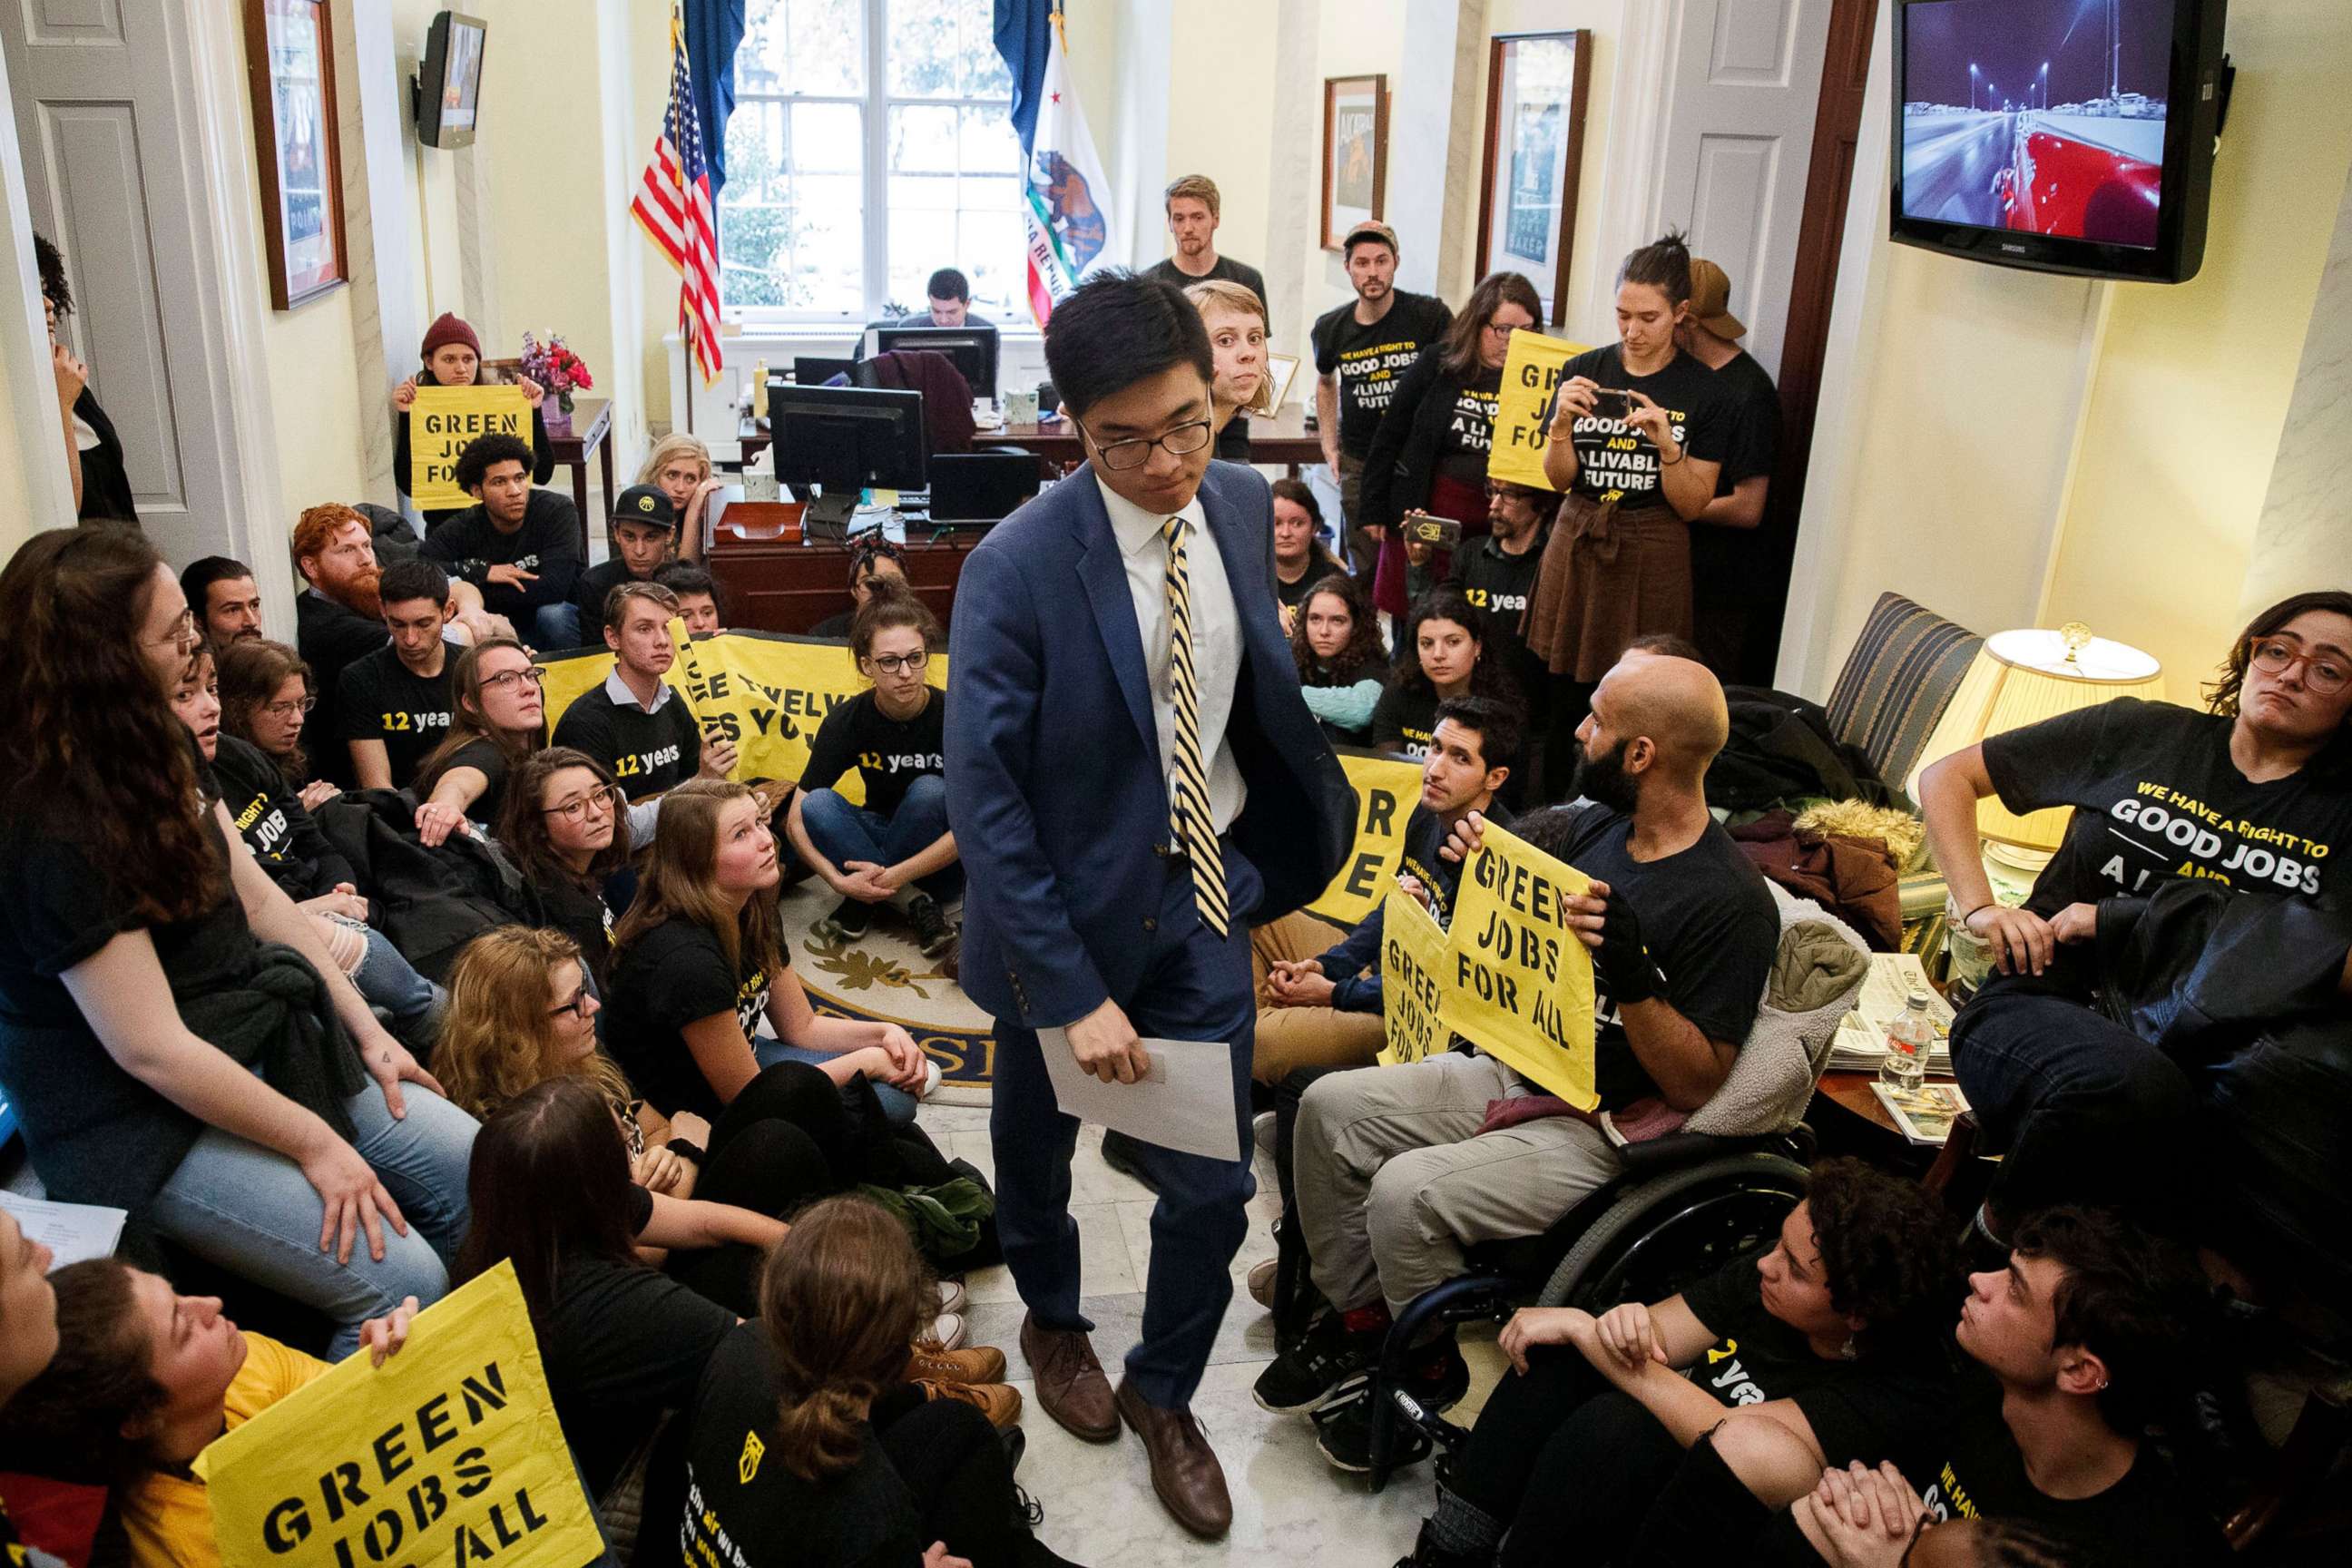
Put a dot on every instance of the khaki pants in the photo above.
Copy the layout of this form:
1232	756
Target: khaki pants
1291	1037
1395	1180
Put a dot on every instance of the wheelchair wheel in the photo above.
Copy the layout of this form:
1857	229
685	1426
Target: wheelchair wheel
1659	1236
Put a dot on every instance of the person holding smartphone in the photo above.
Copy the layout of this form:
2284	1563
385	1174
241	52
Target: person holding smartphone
637	724
1636	441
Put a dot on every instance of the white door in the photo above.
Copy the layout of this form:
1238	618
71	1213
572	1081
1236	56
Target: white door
1744	81
107	176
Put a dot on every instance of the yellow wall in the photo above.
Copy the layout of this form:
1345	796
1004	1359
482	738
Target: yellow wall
1224	132
2192	388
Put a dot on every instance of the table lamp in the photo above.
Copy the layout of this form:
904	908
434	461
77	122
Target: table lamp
2020	677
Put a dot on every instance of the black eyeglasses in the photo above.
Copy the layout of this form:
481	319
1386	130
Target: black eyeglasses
602	797
1120	456
577	1006
892	663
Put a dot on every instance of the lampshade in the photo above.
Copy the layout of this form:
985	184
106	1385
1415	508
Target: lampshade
2021	677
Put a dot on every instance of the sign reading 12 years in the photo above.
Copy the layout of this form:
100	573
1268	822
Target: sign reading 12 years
442	422
448	1454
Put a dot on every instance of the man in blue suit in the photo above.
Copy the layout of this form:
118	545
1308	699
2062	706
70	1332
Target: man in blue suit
1133	780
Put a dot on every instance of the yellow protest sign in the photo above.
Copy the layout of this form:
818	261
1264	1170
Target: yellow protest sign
1413	960
764	691
441	423
1529	376
1387	789
448	1454
1517	983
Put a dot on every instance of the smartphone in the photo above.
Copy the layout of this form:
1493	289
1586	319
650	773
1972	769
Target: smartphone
1424	528
1611	402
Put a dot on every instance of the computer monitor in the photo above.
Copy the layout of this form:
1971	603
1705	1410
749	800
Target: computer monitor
846	440
809	371
973	349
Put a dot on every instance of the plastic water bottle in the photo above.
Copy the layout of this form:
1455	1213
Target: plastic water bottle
1909	1040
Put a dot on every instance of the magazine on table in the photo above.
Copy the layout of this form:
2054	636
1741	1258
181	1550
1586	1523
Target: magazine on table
1924	1114
1861	1042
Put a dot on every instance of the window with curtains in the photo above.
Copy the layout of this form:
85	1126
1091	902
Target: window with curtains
870	144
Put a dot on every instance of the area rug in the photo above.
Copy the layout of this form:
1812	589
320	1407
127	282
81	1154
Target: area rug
883	977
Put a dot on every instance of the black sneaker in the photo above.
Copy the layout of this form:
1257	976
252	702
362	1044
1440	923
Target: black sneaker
933	934
846	923
1344	1427
1327	1359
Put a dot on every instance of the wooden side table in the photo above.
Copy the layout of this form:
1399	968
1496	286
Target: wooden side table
592	421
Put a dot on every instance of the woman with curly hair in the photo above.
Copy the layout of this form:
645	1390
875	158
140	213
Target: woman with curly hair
1443	653
266	696
1342	668
176	1040
808	1446
1839	1330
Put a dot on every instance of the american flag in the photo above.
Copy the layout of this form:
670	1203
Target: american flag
673	206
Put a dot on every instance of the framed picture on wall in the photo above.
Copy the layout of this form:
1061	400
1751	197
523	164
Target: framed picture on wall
289	64
1535	85
1355	153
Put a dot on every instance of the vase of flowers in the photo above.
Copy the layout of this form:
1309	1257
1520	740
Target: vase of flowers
555	367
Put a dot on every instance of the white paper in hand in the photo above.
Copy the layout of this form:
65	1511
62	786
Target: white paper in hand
72	1232
1186	1103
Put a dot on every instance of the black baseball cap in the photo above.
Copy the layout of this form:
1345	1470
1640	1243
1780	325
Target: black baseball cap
644	503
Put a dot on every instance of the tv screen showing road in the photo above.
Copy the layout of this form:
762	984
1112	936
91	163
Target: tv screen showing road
2044	116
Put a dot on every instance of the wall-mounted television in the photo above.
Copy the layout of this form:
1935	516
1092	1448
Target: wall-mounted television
2062	135
449	88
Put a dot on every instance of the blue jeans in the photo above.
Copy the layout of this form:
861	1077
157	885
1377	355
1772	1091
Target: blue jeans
251	1210
555	627
842	832
898	1105
390	982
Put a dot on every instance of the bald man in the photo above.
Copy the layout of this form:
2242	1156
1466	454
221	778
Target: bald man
1395	1177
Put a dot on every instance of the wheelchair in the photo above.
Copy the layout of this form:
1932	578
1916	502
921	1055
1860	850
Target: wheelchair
1681	1206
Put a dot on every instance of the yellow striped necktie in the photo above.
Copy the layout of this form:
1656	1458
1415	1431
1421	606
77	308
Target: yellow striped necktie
1188	778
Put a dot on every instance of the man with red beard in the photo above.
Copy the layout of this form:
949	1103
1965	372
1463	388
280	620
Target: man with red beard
340	619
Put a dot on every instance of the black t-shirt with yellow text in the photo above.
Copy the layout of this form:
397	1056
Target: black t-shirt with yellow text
381	699
673	975
1469	435
1368	360
1614	461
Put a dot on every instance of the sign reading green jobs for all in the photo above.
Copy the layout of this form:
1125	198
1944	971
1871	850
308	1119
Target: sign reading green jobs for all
442	422
1529	374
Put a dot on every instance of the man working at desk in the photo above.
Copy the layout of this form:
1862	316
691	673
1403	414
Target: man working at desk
1133	780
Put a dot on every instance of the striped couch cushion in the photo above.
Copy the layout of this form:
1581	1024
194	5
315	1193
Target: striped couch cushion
1903	669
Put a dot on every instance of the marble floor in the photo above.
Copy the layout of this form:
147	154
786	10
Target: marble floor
1289	1505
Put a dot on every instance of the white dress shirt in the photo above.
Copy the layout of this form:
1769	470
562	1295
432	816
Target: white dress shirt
642	814
1216	637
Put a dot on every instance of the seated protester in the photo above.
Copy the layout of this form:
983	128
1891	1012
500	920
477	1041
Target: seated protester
143	1380
637	724
1395	1168
175	1040
698	960
265	698
645	530
1442	656
339	618
225	599
697	597
289	846
805	1447
522	1013
1429	450
896	848
453	357
518	545
1854	1536
874	563
1239	383
2083	1344
564	826
1838	1332
1342	668
498	720
1317	1006
622	1341
394	704
1300	558
1498	575
2084	1110
680	467
28	1338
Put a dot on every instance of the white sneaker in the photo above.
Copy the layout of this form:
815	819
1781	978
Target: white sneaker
1262	1130
948	1331
931	1079
951	1296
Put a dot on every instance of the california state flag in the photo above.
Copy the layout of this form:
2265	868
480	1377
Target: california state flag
1071	221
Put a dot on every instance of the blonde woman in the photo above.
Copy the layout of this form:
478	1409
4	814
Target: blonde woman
1236	321
680	465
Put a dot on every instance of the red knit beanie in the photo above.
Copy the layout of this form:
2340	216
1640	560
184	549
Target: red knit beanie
449	329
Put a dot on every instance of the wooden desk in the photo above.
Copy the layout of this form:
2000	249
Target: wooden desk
789	585
592	421
1284	439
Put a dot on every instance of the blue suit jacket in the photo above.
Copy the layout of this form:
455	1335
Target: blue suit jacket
1055	786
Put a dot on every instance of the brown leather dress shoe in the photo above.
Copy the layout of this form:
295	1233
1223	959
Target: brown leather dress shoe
1070	1382
1184	1468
